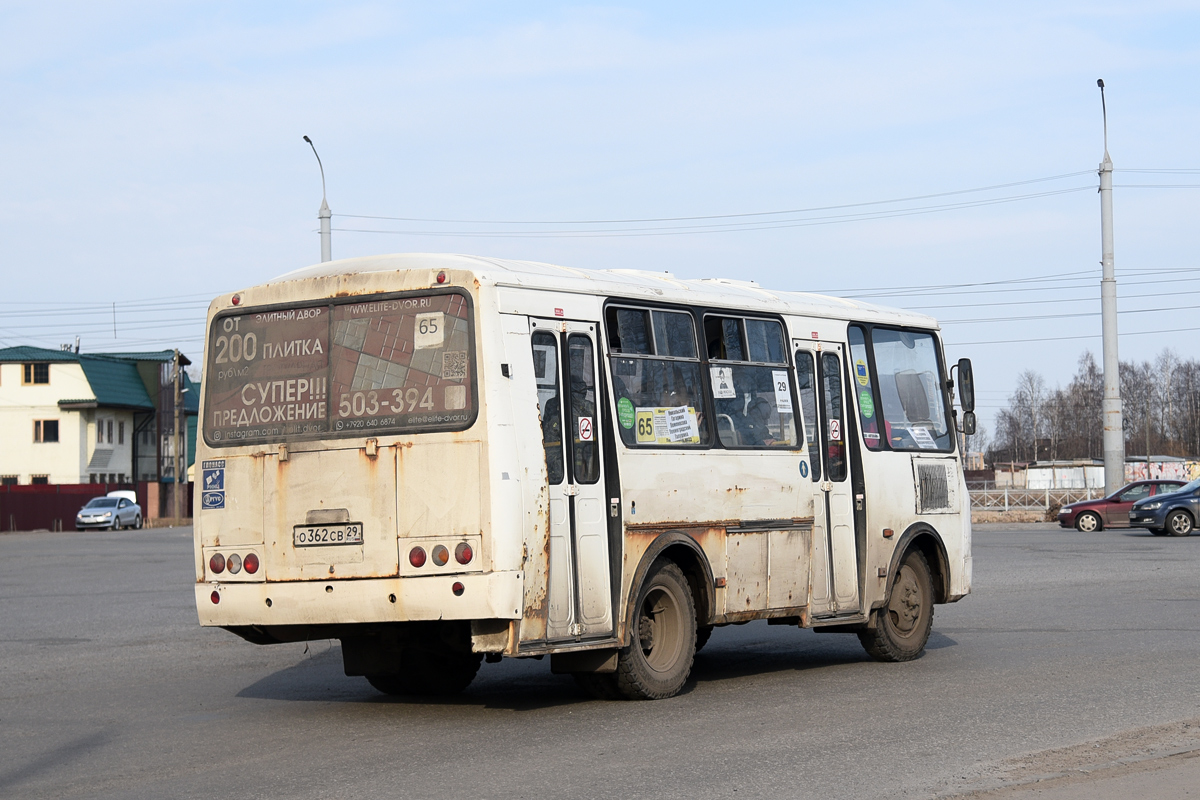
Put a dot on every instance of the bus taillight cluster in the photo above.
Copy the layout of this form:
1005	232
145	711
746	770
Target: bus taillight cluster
235	563
440	555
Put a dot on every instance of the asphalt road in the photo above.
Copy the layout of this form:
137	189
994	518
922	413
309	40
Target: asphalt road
1076	655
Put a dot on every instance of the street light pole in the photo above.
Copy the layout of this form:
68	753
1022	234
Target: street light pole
178	493
1114	430
324	214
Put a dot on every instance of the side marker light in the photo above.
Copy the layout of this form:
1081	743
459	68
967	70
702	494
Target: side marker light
457	588
216	597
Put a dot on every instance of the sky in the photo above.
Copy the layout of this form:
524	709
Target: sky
151	157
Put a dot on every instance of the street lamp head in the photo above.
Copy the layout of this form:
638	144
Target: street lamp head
1099	82
310	140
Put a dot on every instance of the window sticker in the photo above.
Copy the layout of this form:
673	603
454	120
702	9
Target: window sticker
673	425
923	438
585	429
835	430
429	330
860	372
722	383
866	404
625	412
783	391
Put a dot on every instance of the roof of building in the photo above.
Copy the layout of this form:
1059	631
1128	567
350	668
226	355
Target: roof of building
113	377
659	286
27	353
116	383
23	353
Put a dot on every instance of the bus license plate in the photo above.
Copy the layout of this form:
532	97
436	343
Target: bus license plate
318	535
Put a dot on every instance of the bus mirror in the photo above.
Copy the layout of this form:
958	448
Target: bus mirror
968	423
966	385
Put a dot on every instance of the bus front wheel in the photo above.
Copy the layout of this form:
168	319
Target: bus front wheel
902	626
659	658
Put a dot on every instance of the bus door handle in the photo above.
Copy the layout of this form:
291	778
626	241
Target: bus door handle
571	490
858	502
827	486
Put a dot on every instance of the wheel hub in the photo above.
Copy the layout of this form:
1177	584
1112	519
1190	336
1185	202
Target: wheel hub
646	633
905	605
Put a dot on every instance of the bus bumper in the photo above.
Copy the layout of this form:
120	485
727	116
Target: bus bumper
492	595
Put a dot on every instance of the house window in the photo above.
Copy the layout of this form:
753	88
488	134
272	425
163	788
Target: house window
39	480
121	432
110	427
8	480
35	373
45	430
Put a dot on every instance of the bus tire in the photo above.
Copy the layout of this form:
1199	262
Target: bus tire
659	658
702	635
902	626
426	674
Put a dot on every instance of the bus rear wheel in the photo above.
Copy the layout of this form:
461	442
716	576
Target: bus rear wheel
659	659
902	626
429	674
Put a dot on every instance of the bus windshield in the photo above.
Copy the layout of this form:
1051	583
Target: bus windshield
384	365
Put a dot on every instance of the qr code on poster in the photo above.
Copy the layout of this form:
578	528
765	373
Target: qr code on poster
454	365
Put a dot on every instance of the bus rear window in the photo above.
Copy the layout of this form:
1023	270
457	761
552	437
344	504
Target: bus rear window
383	365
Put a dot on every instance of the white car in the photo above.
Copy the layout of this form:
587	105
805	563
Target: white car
115	511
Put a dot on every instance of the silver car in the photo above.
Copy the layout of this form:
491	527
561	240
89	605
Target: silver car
109	512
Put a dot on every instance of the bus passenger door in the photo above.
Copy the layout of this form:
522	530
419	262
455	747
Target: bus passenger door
835	558
566	371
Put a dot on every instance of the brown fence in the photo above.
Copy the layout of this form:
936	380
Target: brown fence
53	506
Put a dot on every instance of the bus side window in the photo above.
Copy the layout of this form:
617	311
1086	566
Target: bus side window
864	391
807	383
545	370
585	458
834	424
751	384
656	377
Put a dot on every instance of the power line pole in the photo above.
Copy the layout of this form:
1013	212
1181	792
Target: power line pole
1114	429
323	214
177	459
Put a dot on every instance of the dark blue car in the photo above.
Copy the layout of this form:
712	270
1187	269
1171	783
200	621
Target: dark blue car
1175	513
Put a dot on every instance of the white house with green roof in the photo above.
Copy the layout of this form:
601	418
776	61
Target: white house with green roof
67	417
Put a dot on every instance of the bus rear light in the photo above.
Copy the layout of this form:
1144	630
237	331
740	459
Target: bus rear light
250	563
217	564
462	553
237	298
457	588
234	564
440	555
441	277
416	556
216	597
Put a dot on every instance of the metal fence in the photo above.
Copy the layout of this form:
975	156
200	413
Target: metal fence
1003	499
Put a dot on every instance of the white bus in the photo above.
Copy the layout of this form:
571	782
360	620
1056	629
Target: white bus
440	458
